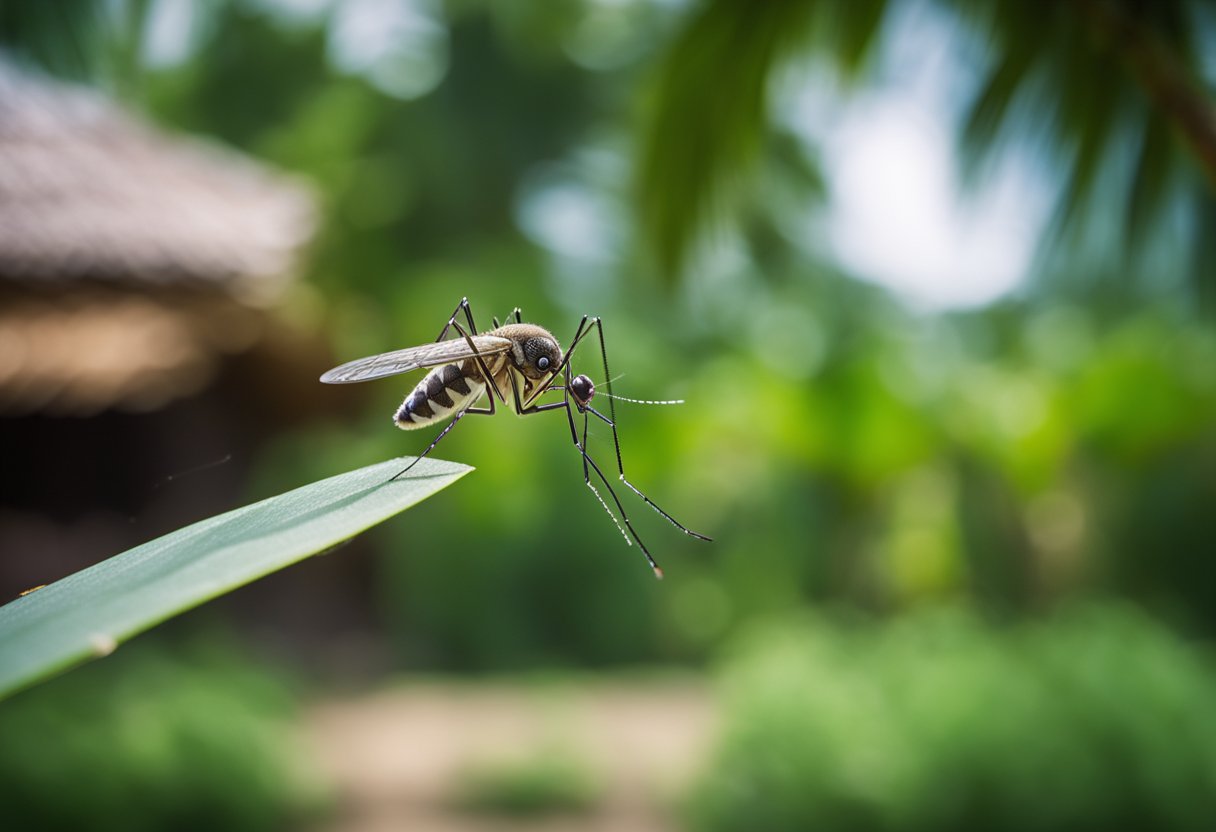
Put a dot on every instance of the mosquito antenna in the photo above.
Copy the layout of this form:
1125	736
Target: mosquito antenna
610	395
642	401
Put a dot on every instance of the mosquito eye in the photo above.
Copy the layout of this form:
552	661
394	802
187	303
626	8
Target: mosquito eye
543	362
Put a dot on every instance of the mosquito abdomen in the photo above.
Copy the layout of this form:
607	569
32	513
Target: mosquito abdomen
444	392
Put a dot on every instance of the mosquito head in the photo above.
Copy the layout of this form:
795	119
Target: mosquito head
534	351
582	390
541	355
534	354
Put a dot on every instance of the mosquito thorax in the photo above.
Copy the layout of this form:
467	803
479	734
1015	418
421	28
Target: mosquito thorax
534	350
582	390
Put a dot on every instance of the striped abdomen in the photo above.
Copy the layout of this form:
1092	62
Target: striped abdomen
444	392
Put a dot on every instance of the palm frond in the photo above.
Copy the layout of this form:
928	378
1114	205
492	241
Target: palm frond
1100	86
709	112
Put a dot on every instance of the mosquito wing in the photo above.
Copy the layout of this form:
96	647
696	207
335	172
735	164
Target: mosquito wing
413	358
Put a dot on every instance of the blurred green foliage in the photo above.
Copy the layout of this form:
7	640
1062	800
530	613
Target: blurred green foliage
839	446
836	444
1113	94
1094	718
552	781
192	739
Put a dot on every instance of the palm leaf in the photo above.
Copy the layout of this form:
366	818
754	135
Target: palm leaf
86	615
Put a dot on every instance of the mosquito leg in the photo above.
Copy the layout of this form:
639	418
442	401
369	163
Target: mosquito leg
453	324
588	461
565	404
483	411
516	313
491	387
634	488
536	408
474	411
464	304
589	465
485	371
594	490
569	412
611	422
435	442
579	334
468	316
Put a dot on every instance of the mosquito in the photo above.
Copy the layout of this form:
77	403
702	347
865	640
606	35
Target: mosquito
524	359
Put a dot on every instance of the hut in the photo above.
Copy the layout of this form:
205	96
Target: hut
141	337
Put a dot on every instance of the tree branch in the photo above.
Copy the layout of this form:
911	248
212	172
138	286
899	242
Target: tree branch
1172	87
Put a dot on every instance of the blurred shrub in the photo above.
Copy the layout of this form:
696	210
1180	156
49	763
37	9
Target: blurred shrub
149	740
1093	719
554	781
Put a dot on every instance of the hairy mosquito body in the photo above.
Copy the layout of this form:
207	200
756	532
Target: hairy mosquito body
452	388
523	359
445	390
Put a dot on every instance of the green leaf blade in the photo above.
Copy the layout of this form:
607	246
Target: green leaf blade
87	614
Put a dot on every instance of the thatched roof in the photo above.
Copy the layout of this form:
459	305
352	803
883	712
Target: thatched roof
88	190
101	212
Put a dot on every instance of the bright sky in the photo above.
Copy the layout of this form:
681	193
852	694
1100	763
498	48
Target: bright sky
899	218
898	214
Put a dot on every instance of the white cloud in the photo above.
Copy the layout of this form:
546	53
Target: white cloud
899	217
